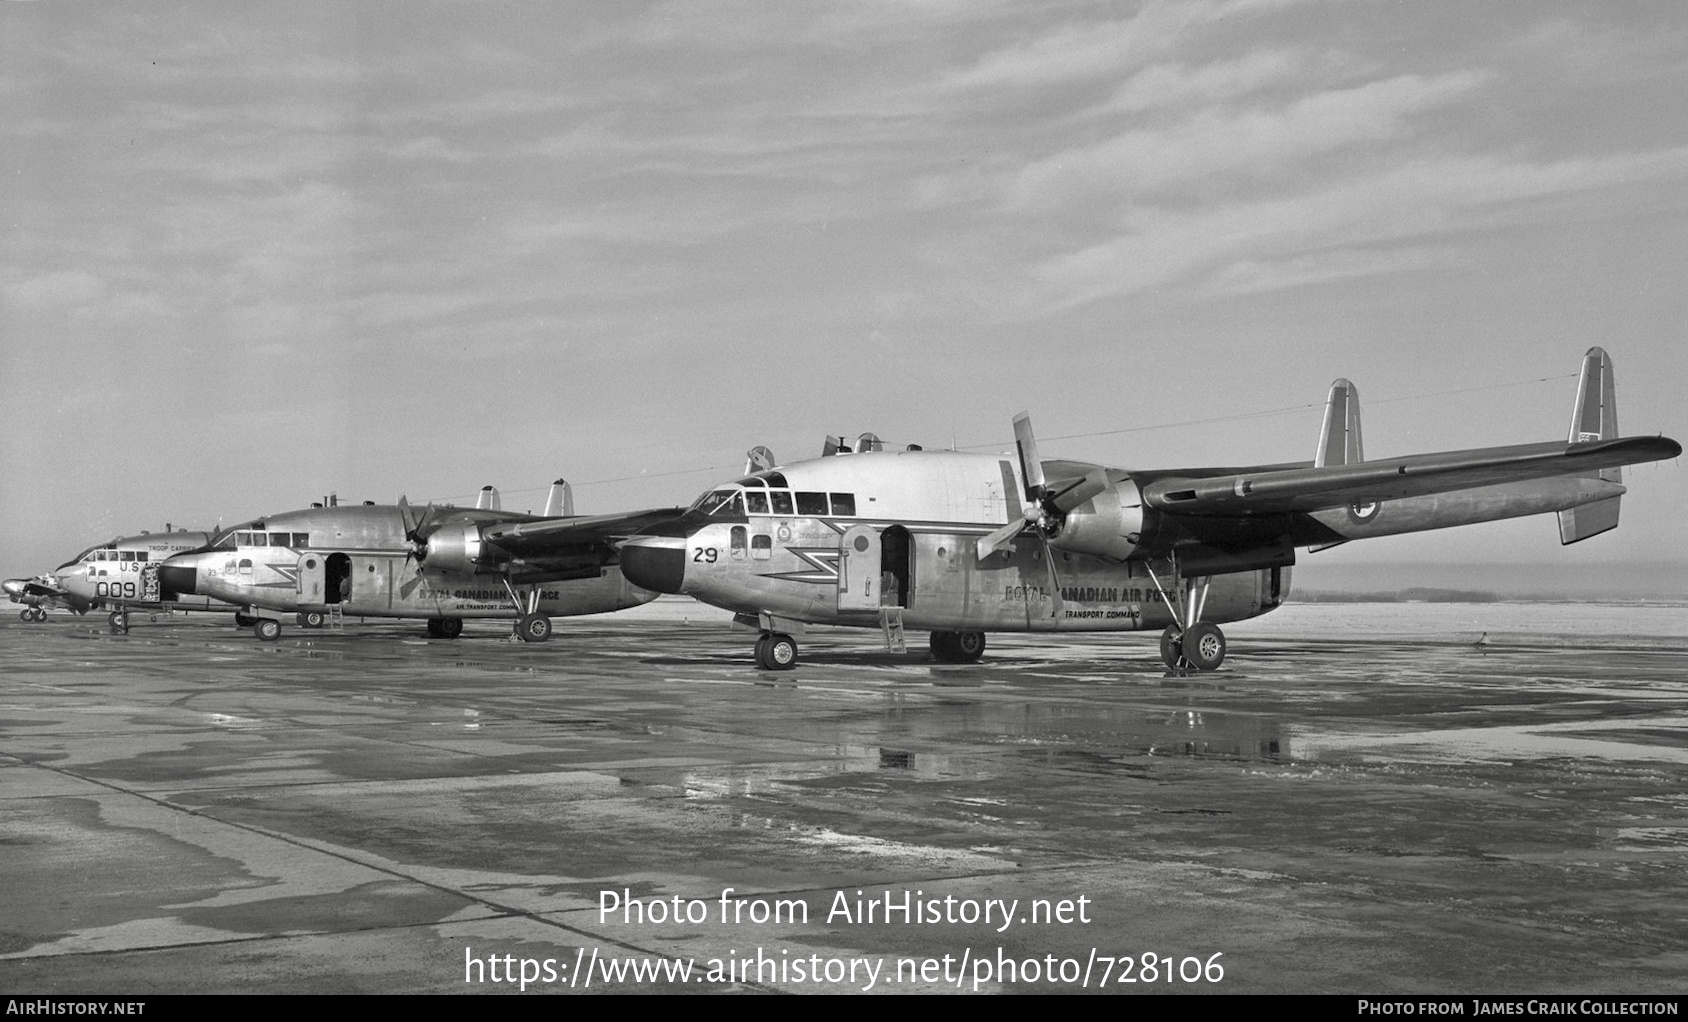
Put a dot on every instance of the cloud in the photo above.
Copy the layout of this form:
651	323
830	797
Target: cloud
1254	142
1424	198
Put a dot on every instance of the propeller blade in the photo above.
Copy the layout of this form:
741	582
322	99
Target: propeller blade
1056	605
998	539
1031	469
1079	492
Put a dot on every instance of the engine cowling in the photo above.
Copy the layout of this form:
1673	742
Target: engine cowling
459	548
1108	525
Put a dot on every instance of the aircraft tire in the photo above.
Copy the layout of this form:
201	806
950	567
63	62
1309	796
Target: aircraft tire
119	620
533	627
267	629
26	615
452	627
958	647
434	631
1204	646
780	652
762	652
1171	648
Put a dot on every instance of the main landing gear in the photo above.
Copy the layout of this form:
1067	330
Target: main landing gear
531	625
1189	643
776	651
32	615
958	647
445	627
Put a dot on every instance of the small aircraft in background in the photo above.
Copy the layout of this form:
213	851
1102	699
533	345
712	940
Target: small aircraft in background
961	544
443	564
121	574
37	594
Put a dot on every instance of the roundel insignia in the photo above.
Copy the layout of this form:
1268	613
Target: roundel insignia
1363	513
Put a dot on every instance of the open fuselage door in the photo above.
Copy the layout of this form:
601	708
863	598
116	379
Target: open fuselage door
859	561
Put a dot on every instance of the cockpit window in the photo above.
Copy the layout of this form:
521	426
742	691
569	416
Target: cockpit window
720	502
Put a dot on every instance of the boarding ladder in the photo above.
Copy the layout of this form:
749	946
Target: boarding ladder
335	619
891	623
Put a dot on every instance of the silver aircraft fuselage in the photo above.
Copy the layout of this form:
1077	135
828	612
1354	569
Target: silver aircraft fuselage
359	559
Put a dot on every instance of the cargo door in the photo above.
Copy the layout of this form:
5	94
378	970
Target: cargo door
311	579
858	569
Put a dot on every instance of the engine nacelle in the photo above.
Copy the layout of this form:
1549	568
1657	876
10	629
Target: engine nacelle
1109	525
459	548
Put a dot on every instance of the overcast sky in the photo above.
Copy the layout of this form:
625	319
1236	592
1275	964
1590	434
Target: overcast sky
254	253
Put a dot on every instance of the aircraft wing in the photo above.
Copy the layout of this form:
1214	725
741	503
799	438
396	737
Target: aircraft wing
1270	492
553	535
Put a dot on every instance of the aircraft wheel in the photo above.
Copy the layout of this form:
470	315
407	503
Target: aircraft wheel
117	619
779	652
534	628
1204	646
1171	646
958	647
452	627
762	651
26	615
434	629
267	629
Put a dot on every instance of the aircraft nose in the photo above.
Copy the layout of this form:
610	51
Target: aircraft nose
657	563
177	579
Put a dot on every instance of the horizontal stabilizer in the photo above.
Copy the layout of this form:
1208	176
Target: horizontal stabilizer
1579	523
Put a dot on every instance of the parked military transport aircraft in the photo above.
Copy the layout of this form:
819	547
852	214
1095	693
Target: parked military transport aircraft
37	594
916	539
121	574
444	564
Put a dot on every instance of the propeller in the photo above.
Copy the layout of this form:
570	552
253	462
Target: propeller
416	532
1045	510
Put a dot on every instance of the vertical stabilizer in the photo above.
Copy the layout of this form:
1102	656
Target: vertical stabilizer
1594	417
1339	441
1339	438
488	500
560	501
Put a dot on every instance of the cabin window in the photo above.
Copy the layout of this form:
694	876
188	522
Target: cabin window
301	539
844	504
756	502
782	501
737	542
140	555
778	479
811	503
246	566
761	547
